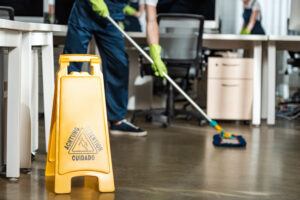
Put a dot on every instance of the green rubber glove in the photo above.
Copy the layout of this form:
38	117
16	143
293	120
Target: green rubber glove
100	7
159	66
245	31
122	25
128	10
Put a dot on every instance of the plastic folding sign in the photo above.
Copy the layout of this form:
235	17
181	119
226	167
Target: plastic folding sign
79	140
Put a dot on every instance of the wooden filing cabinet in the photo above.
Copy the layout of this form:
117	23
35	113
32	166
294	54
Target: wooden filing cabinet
229	90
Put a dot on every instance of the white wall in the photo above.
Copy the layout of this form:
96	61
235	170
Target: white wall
295	16
46	5
229	20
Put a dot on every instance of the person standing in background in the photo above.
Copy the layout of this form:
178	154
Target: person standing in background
252	18
133	11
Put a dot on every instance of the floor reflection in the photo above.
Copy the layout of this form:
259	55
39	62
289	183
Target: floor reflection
180	162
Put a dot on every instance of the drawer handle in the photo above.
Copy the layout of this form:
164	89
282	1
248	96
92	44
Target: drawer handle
230	85
230	65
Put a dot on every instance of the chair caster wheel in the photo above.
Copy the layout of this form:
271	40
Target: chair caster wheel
201	122
26	171
246	122
165	125
32	157
148	118
188	118
3	169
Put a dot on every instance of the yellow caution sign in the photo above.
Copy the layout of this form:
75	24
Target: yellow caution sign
79	140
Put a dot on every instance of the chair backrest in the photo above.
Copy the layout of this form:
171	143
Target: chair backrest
7	13
181	36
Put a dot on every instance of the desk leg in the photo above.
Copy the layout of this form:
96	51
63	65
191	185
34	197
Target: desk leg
271	83
1	109
48	83
264	108
256	113
13	113
34	102
26	73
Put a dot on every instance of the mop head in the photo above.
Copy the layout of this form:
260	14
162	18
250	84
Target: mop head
234	141
225	139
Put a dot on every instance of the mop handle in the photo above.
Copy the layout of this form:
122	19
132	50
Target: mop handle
164	74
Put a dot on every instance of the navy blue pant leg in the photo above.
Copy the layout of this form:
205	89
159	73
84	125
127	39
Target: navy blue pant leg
111	46
77	41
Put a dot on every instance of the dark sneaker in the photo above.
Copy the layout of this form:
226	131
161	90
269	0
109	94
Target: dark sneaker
127	128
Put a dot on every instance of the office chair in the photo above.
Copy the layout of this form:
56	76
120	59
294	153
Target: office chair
290	109
181	38
294	59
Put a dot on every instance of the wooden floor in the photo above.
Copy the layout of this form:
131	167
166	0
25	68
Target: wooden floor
181	163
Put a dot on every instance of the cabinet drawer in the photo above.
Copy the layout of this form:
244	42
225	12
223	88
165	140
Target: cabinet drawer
233	68
229	99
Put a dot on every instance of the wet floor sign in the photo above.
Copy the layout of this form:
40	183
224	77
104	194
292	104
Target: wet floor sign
79	141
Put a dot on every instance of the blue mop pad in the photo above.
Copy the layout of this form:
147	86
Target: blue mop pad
235	141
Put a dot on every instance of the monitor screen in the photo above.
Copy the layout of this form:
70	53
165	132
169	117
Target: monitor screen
200	7
62	10
25	7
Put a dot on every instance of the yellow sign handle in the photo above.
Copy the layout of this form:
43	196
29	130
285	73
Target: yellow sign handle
66	59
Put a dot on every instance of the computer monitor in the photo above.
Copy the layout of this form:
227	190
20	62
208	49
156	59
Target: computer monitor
207	8
294	22
62	10
26	10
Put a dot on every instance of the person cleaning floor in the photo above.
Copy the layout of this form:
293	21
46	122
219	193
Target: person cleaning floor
87	19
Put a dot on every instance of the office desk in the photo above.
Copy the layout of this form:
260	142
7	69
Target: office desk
23	88
12	41
229	41
221	41
275	43
40	35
